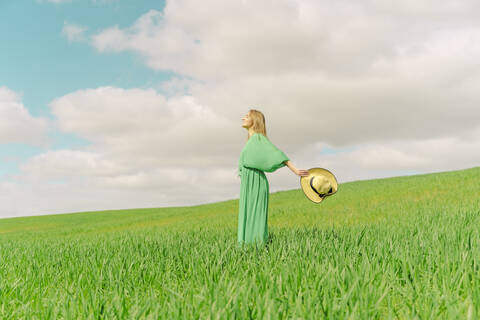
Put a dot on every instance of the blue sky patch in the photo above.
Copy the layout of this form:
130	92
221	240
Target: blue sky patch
38	62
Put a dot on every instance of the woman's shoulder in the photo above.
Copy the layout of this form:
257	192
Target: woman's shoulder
259	135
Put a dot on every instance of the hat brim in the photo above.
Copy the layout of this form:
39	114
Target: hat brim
311	194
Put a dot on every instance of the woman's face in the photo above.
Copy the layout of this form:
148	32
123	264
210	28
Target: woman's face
246	121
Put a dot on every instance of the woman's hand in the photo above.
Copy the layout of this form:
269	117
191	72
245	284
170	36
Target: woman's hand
300	172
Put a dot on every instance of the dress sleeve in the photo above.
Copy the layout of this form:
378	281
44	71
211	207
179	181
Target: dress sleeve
260	153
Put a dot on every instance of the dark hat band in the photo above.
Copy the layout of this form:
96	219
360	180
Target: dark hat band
320	194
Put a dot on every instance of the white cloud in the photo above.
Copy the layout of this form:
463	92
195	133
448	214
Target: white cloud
157	130
68	181
230	38
165	152
70	163
349	70
177	86
144	148
73	32
17	125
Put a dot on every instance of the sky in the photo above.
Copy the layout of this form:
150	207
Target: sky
111	104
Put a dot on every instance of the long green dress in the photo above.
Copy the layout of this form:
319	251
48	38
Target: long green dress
258	155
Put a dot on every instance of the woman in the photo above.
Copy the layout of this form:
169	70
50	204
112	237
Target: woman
258	155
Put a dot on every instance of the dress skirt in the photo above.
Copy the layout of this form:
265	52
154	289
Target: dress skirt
253	207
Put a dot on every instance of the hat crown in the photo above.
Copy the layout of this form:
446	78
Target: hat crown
321	184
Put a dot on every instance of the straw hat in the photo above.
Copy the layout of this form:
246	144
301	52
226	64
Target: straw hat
319	184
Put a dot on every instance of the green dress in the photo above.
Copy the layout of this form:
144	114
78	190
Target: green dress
258	155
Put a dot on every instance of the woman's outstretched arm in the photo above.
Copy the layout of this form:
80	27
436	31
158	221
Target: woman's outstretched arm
298	172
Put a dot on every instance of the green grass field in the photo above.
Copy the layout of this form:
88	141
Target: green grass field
396	248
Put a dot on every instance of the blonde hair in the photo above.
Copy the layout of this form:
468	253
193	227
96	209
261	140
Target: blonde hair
258	125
